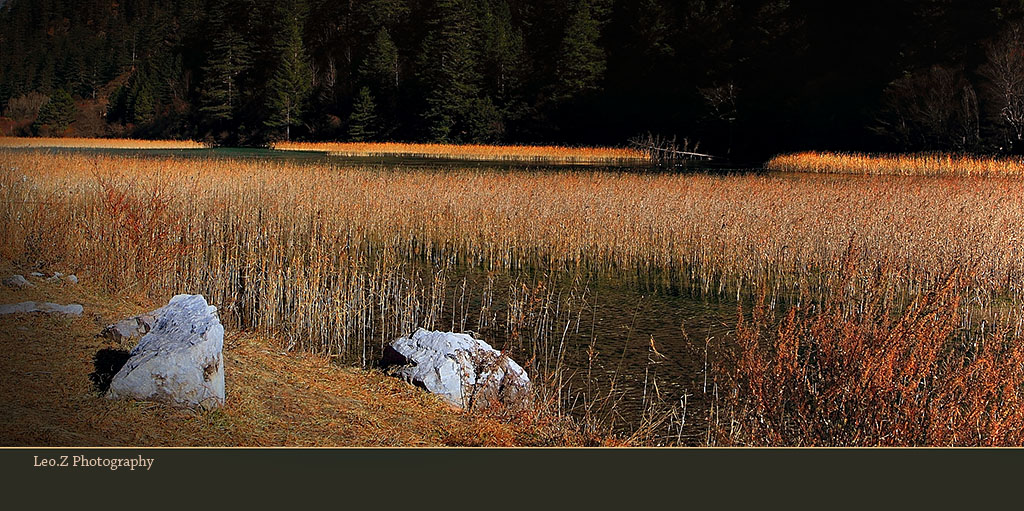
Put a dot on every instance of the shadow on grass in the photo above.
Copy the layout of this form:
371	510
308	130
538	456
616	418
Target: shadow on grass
107	362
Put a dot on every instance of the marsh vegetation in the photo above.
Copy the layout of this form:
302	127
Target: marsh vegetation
772	309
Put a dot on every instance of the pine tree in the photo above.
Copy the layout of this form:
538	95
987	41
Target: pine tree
504	65
361	124
227	59
378	14
380	69
581	62
57	114
449	70
143	106
290	85
117	105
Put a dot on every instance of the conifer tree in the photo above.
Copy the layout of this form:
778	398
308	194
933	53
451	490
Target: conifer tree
227	59
143	106
117	105
503	48
362	122
382	13
581	62
449	70
57	114
380	69
290	85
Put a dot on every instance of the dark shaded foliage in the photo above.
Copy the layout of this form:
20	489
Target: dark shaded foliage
744	78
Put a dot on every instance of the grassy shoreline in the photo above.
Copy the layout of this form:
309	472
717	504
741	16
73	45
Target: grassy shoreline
96	143
473	152
920	164
467	152
274	397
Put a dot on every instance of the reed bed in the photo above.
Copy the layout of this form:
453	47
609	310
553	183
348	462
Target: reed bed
539	154
714	234
922	164
338	260
97	143
857	370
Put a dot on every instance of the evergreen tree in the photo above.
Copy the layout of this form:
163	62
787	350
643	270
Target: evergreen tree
117	105
290	85
581	63
362	122
504	49
143	106
380	69
227	59
377	14
57	114
449	70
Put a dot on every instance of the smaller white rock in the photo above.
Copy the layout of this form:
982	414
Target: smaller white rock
37	274
465	371
73	279
72	309
18	308
17	281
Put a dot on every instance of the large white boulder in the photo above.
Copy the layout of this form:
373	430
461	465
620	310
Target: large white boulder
465	371
179	360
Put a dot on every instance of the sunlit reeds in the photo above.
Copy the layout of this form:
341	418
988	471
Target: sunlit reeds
339	260
539	154
858	370
97	143
920	164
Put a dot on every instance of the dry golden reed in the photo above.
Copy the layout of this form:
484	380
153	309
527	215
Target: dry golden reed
923	164
339	259
856	370
97	143
540	154
238	224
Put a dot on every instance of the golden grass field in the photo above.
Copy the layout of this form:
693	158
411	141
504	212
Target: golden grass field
337	260
925	164
542	154
274	398
97	143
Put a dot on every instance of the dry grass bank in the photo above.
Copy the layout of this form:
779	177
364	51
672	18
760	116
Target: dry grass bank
540	154
274	398
97	143
923	164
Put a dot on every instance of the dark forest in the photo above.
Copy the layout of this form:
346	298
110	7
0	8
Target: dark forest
743	79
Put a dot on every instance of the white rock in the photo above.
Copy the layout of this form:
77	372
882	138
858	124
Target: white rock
180	360
73	279
72	309
37	274
17	281
466	372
